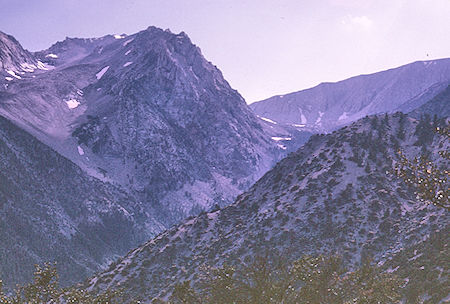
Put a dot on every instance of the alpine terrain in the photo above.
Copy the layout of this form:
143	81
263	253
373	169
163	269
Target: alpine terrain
329	106
137	141
144	111
102	136
336	194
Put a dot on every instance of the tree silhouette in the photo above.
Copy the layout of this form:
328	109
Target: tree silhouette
308	280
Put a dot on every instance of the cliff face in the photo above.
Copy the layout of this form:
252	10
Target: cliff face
14	60
148	112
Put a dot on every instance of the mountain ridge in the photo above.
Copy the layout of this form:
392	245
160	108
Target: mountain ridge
104	103
328	106
333	194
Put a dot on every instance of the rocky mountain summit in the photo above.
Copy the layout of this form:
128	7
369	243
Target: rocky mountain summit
146	112
331	105
336	194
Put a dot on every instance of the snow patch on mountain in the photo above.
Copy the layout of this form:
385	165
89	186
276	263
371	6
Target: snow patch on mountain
42	66
102	72
343	116
281	138
319	118
303	119
28	67
128	41
12	73
72	103
268	120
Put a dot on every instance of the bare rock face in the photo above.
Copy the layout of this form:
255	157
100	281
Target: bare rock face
331	105
13	58
175	122
148	112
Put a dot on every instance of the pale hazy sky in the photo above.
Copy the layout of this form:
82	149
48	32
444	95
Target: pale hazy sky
263	47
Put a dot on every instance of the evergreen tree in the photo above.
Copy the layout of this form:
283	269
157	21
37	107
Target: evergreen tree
308	280
45	289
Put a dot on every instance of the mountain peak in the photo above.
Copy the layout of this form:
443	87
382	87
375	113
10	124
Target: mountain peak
150	113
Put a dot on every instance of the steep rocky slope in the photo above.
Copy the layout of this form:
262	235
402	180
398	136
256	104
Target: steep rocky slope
335	194
331	105
14	60
148	112
50	210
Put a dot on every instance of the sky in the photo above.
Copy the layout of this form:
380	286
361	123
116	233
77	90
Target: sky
262	47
